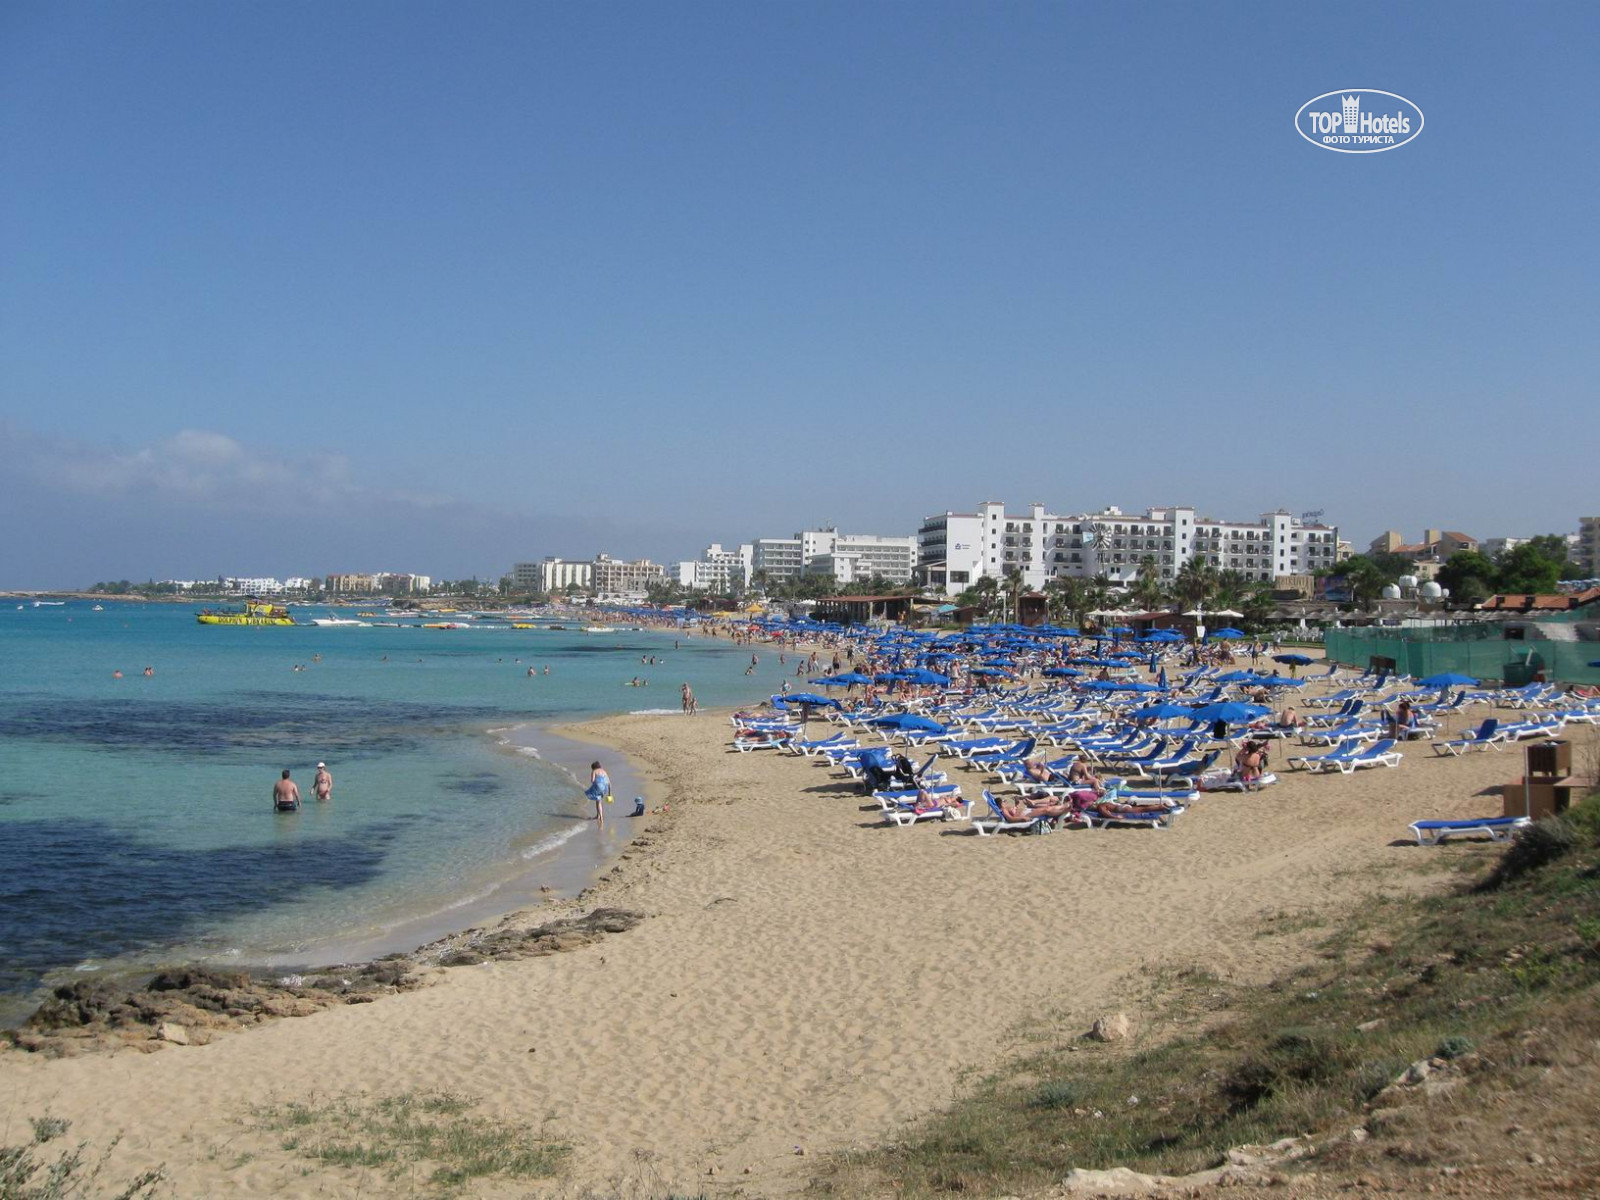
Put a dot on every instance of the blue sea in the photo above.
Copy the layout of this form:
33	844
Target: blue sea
136	826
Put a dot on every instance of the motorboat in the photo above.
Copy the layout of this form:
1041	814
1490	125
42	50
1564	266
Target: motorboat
254	612
338	621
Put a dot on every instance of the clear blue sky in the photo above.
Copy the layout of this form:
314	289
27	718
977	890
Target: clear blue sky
294	288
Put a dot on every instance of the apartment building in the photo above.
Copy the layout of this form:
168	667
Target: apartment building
616	577
563	574
955	550
716	570
1587	552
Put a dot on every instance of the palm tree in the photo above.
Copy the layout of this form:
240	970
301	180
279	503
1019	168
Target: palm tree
1148	592
983	594
1013	593
1230	590
1195	582
1067	597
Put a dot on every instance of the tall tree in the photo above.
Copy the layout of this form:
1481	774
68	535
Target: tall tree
1149	591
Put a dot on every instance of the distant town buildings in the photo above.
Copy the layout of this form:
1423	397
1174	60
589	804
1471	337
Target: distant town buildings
844	557
1435	548
606	577
388	582
955	550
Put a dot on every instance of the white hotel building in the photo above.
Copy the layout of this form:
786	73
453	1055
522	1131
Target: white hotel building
955	550
845	557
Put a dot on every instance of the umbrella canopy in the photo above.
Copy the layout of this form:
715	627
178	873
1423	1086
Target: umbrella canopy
1449	679
1062	672
992	671
1230	711
1163	635
1239	677
1293	660
806	698
1227	612
1102	685
908	721
1225	635
1162	712
849	679
918	675
1133	685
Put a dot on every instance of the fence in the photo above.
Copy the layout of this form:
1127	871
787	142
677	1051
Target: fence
1423	652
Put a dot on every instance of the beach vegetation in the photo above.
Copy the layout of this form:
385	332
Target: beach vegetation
399	1133
38	1169
1483	983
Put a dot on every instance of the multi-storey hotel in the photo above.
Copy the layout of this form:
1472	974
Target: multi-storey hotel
955	550
845	557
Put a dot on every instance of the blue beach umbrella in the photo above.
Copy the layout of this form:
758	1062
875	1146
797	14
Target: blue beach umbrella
1163	635
1103	685
1230	711
1293	660
1238	677
1062	672
918	675
1226	635
908	722
992	671
849	679
805	698
1162	712
1450	679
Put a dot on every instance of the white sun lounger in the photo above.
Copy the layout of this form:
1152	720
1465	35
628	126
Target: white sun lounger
1499	829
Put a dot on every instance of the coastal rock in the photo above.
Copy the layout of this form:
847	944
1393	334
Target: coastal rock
1114	1027
196	1004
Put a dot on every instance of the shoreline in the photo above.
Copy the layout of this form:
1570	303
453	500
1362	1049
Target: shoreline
802	974
539	880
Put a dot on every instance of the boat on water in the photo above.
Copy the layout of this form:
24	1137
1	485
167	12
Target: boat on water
338	621
598	629
48	603
99	608
254	612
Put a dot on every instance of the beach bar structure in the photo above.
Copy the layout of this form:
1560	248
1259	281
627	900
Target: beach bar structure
859	610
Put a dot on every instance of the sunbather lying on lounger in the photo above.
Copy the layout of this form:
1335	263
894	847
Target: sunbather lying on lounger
1099	806
927	802
1030	808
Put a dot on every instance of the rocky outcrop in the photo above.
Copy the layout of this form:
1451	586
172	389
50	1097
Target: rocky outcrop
189	1007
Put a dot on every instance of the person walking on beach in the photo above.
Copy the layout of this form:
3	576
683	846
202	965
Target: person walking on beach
322	785
689	705
285	793
599	790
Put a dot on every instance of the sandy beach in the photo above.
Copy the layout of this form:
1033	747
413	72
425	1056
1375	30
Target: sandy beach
805	978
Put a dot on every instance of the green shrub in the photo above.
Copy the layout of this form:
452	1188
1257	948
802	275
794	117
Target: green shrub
1539	845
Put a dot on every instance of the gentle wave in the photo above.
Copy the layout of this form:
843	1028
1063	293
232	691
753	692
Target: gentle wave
653	712
545	845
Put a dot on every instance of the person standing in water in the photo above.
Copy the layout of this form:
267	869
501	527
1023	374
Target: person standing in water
285	793
599	790
322	785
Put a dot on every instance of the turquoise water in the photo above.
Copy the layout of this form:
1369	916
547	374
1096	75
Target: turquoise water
135	817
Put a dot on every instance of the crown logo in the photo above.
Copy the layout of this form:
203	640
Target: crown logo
1352	111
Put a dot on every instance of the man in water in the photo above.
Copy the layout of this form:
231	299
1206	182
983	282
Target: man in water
285	794
322	785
